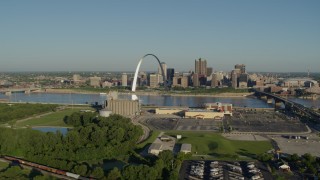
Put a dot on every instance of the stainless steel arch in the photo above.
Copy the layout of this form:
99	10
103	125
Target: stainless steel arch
134	84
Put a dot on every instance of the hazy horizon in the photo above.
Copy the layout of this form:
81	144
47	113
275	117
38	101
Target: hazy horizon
55	36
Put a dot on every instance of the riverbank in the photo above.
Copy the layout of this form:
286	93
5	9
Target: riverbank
148	93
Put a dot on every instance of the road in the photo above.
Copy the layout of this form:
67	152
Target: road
146	131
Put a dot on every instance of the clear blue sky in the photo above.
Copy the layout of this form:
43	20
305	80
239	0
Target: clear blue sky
76	35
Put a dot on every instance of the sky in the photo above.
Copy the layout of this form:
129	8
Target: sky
102	35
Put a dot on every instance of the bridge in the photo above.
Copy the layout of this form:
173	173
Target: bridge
288	104
9	91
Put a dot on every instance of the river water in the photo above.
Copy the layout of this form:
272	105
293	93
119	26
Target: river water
162	100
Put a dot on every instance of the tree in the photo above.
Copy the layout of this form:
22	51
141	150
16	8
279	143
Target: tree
114	174
98	172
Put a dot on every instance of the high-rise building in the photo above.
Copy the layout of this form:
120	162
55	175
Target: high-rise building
214	80
195	80
124	79
184	81
154	80
209	71
234	79
243	80
170	74
201	67
164	67
241	67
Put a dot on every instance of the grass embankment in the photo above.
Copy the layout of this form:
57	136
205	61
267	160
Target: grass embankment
153	135
3	165
217	146
52	119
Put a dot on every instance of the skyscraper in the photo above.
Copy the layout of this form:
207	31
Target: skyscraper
195	80
124	79
234	79
201	67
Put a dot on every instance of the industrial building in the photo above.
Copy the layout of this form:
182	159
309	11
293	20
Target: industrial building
123	107
170	110
203	114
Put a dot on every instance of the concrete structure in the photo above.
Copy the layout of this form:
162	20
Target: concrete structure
203	114
185	148
201	67
155	149
124	80
123	107
95	81
170	110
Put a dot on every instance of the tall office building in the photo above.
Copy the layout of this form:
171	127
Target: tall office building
195	80
154	80
209	71
241	68
234	79
124	79
215	80
170	74
243	80
164	67
201	67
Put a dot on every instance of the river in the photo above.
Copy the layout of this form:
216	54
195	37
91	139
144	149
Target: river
161	100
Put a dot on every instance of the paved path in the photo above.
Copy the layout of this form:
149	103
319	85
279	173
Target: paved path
146	131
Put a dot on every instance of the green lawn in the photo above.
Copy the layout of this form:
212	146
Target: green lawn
216	145
3	165
53	119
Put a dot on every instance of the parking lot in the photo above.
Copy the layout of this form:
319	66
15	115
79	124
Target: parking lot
264	122
290	145
159	123
223	170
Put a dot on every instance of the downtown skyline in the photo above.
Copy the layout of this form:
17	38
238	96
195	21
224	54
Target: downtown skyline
267	36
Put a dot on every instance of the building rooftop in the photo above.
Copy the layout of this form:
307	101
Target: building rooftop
186	147
156	146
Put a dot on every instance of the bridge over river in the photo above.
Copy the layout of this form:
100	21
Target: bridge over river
9	91
288	104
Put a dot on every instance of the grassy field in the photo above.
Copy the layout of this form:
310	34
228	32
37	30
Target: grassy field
213	144
53	119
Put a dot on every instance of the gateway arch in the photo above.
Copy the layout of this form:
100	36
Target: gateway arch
134	84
